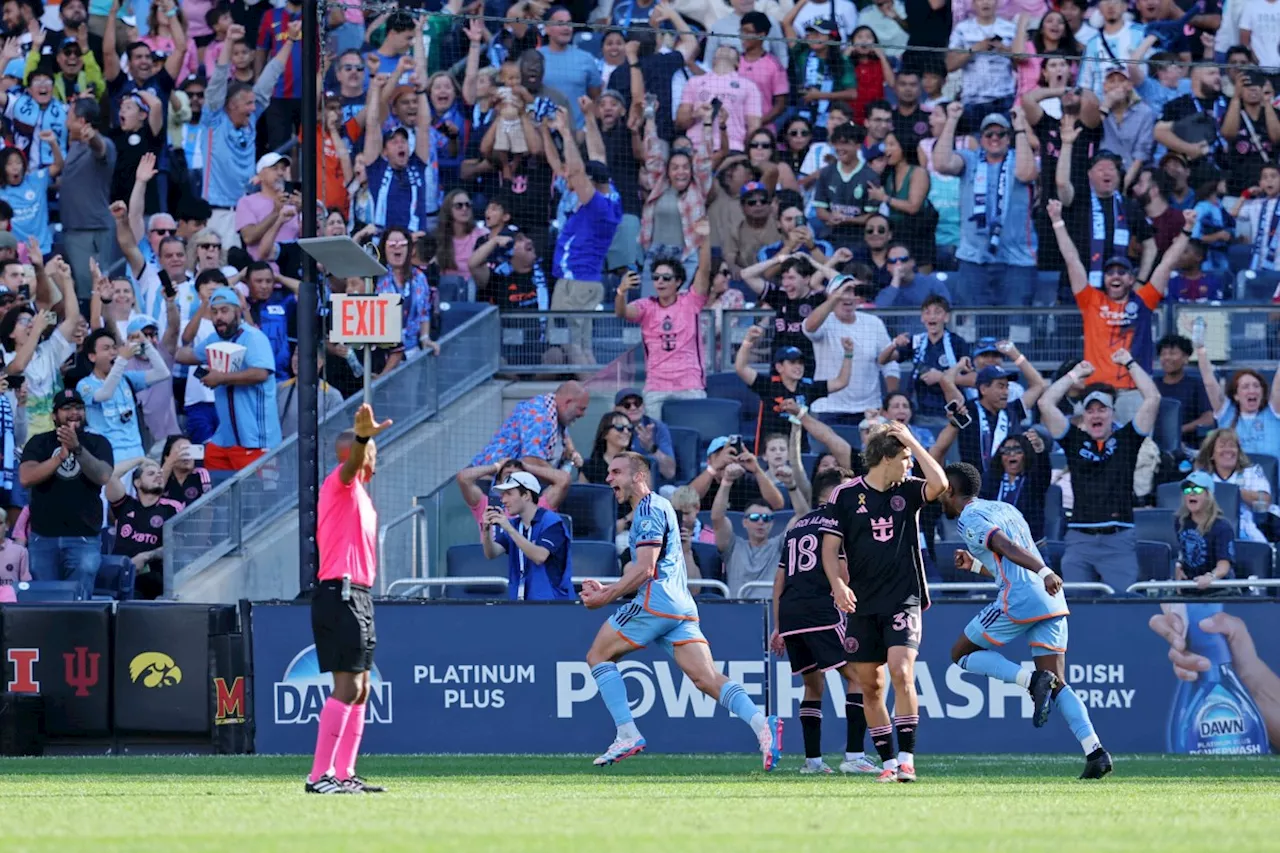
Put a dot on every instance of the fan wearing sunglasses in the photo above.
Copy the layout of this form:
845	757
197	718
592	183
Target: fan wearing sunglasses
1205	550
757	228
755	556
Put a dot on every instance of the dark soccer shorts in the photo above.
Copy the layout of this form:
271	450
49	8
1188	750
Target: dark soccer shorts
343	629
821	649
869	636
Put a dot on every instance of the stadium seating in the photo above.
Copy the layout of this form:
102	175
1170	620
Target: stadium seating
594	511
1155	561
728	386
1055	521
1156	525
1270	466
710	418
709	563
1254	559
1169	496
684	442
468	561
48	591
594	559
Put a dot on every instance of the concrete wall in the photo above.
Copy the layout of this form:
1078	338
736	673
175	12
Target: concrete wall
415	464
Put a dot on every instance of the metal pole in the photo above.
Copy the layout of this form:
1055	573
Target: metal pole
308	310
368	357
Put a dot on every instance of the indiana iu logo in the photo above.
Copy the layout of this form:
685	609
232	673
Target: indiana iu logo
82	669
882	529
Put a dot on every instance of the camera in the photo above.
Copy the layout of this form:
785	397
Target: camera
736	444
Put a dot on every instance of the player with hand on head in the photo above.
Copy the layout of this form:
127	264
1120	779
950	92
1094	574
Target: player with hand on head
342	606
878	529
1030	603
810	629
662	611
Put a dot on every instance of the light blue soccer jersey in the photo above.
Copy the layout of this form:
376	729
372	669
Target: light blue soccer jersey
1022	596
667	592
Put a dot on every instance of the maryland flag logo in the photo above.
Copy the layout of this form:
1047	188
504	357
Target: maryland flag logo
155	669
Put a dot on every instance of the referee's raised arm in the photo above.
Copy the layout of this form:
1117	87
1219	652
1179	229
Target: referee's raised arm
354	443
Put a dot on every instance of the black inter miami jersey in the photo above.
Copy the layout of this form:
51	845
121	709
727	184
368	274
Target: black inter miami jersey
806	600
881	535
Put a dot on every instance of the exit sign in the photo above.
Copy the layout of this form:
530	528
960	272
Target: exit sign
361	319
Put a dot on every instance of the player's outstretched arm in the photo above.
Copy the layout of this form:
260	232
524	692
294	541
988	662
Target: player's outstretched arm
1002	545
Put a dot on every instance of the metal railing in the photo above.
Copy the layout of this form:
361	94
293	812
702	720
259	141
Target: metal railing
1082	586
418	545
235	511
1243	335
1154	588
405	587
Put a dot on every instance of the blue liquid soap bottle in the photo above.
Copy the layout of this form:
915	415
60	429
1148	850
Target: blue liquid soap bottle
1213	715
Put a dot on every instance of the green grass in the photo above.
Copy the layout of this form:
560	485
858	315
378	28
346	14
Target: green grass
649	803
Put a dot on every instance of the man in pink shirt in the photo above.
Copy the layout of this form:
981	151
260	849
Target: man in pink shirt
739	97
271	215
761	67
342	607
669	329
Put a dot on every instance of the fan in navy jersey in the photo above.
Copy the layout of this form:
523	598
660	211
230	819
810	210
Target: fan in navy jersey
879	530
811	630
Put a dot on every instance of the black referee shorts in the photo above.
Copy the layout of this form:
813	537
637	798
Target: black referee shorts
343	629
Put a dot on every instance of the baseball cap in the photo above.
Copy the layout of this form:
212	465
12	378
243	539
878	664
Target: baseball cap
598	172
1198	478
752	187
1118	261
995	118
399	131
819	24
140	322
1099	397
8	240
788	354
984	346
1172	155
615	94
67	397
718	443
129	20
991	373
271	158
521	480
224	296
1116	68
626	393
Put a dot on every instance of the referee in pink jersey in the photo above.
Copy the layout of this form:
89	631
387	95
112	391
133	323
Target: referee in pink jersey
342	607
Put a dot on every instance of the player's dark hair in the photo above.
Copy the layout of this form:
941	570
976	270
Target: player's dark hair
828	480
881	445
802	265
936	299
964	479
1175	341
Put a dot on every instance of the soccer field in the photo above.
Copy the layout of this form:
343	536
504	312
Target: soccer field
648	803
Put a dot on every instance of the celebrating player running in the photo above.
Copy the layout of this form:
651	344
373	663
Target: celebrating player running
662	612
1030	603
879	532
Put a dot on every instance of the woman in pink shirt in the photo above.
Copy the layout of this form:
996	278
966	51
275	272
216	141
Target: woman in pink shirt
669	326
457	234
1052	38
162	17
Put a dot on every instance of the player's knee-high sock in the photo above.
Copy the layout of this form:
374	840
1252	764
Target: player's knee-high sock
855	717
997	666
882	739
1077	717
344	761
906	728
811	726
614	692
734	697
333	717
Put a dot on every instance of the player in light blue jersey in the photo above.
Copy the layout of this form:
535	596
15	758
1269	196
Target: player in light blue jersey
1030	603
662	612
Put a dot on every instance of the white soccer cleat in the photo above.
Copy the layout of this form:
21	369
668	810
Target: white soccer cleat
821	770
863	766
621	749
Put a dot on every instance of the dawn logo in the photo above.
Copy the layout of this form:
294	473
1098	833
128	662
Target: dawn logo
302	692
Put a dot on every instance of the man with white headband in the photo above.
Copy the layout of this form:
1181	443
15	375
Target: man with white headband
1101	542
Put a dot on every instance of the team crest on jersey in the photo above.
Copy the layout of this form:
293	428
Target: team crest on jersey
898	502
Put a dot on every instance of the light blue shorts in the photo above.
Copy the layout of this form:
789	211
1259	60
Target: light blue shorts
992	628
641	628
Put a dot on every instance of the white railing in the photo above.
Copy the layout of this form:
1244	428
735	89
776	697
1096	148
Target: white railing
407	586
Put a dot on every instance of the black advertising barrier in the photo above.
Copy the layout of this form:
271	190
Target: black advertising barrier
62	652
162	671
232	726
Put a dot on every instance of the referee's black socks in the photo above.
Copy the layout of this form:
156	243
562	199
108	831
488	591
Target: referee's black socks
811	726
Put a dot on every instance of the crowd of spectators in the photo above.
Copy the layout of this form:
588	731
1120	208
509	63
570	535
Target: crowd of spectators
819	161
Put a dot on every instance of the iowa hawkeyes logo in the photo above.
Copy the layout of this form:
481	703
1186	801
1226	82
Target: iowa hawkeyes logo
155	669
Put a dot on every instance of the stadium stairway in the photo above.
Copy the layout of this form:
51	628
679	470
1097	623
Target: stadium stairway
417	462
